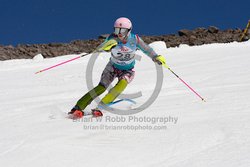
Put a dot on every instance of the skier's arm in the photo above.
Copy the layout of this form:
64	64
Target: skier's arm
107	45
145	48
150	52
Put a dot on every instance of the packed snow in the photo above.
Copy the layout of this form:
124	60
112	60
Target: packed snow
177	130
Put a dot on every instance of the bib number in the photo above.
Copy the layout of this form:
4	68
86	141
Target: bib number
124	56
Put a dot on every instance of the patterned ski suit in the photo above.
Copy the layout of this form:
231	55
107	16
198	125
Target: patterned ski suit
121	65
122	59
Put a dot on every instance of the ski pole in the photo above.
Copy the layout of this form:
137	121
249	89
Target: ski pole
103	47
245	31
166	66
61	63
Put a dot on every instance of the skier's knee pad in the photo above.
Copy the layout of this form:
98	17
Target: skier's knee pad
119	87
115	91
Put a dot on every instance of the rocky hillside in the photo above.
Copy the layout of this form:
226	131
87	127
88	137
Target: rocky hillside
197	36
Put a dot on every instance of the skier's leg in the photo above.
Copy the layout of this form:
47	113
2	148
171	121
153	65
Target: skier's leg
106	78
90	96
125	77
115	91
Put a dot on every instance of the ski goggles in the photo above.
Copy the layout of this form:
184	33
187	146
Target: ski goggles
123	31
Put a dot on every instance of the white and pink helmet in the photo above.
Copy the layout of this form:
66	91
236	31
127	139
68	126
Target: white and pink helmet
123	22
122	27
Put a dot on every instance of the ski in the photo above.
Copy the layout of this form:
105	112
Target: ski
118	101
71	116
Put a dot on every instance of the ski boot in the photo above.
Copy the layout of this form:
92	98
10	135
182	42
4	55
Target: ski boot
96	112
76	113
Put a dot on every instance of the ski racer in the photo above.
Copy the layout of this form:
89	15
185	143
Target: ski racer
120	65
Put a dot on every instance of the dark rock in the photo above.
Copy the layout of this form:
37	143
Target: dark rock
103	36
200	30
185	32
245	38
55	44
213	29
198	36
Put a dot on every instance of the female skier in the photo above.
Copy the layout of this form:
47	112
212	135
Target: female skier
121	65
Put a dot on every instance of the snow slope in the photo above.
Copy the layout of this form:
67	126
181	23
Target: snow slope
216	133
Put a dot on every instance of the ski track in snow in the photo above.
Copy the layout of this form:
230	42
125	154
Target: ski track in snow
35	132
